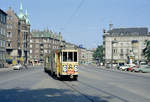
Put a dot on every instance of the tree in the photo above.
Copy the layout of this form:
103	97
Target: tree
98	54
146	51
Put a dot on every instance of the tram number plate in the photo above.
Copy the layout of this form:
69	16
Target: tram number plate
70	72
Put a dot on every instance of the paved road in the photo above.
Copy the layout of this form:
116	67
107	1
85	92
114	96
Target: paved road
94	85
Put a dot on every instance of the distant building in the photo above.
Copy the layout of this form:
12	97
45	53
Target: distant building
3	16
42	43
124	44
18	30
85	56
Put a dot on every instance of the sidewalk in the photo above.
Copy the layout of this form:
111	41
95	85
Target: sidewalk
115	69
5	69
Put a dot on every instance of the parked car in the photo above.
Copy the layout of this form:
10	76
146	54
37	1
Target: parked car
108	65
17	67
145	69
131	67
143	64
124	67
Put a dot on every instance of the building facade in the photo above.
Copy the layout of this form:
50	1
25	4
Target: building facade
42	43
3	25
18	30
122	45
85	56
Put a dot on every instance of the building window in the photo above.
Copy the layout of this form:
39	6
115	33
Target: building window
115	51
30	46
9	17
9	44
121	54
9	34
45	46
45	51
9	26
2	31
3	18
30	51
44	40
127	51
121	51
31	40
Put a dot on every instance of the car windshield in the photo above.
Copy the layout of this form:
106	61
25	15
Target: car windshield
143	63
147	67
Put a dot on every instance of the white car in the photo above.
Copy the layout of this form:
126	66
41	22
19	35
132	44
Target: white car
124	68
17	67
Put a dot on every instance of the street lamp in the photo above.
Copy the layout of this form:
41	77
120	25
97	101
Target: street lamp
113	42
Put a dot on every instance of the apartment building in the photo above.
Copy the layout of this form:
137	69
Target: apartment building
3	25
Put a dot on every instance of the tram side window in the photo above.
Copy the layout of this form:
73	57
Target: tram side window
65	56
75	56
70	56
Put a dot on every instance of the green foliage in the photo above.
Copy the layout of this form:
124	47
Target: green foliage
98	54
146	51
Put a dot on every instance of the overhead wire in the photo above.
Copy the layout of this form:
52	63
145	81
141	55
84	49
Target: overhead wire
73	14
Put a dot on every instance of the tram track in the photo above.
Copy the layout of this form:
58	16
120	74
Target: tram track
72	86
74	89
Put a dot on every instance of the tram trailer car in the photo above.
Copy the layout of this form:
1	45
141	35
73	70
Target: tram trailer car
62	63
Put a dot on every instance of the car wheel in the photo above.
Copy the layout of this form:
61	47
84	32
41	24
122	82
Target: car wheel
140	71
133	70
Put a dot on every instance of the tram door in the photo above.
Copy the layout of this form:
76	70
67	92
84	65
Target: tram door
58	62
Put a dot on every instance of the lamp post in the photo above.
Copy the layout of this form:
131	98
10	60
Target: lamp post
113	42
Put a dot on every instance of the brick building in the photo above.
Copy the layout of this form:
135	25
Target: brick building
43	42
18	30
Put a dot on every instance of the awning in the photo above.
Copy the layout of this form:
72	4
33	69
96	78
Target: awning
9	60
120	61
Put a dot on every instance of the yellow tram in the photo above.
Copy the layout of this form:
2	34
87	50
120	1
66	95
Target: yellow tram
62	63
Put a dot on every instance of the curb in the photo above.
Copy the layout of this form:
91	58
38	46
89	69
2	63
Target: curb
5	69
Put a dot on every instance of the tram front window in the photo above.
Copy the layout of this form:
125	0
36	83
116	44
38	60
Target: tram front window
70	56
75	56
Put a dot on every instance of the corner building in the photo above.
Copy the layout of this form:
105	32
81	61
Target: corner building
123	44
18	30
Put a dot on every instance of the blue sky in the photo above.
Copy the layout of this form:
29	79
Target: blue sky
82	21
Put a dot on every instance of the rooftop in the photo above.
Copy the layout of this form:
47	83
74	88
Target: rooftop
3	12
129	31
46	34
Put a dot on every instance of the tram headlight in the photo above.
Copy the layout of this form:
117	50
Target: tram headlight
64	68
75	68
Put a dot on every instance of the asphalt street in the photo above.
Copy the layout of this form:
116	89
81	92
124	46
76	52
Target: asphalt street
94	85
